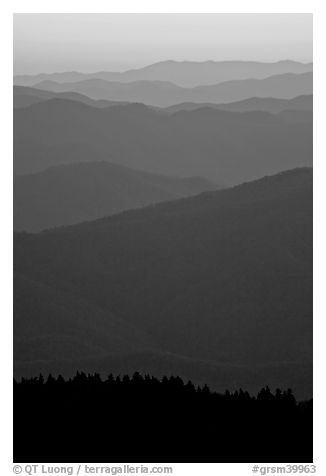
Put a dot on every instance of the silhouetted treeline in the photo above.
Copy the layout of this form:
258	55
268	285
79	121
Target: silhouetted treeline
143	419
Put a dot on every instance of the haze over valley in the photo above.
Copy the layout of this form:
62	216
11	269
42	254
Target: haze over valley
82	153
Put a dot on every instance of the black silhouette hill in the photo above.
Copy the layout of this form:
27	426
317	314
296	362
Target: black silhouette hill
225	276
74	193
164	93
40	357
182	73
159	414
226	147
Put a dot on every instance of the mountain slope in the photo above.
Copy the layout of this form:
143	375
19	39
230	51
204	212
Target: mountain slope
226	147
163	94
25	96
69	194
182	73
224	276
52	325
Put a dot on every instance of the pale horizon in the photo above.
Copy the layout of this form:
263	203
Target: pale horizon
48	43
126	69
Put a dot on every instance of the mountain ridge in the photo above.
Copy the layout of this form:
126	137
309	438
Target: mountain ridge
27	96
184	73
163	94
224	276
91	190
226	147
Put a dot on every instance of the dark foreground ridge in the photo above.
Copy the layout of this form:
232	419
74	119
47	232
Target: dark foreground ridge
143	419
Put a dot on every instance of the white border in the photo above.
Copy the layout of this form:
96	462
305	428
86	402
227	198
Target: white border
167	6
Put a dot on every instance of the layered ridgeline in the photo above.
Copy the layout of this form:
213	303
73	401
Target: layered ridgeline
182	73
268	104
74	193
163	93
26	96
223	146
220	283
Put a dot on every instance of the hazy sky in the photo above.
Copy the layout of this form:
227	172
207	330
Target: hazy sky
92	42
